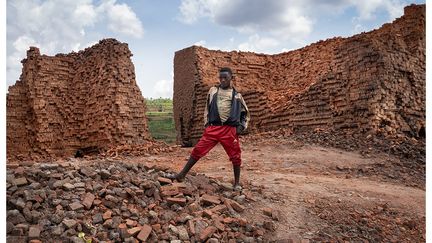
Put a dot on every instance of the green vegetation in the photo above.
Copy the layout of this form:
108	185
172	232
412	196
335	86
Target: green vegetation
161	120
159	105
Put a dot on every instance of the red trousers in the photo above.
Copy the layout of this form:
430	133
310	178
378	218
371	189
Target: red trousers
226	135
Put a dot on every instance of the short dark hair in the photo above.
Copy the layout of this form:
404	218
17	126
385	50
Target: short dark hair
226	69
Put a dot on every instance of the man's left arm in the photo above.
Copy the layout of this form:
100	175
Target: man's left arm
245	114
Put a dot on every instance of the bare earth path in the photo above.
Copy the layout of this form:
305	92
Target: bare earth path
321	193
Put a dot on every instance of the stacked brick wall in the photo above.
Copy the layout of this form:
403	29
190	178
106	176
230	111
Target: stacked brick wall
371	82
72	101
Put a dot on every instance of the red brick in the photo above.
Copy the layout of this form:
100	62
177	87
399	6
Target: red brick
144	233
170	193
219	208
179	185
194	207
191	227
88	200
210	199
164	180
207	232
219	225
207	213
175	200
157	227
107	215
134	231
267	211
236	206
58	71
131	223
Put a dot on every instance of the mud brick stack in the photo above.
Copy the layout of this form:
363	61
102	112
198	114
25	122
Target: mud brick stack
79	100
372	82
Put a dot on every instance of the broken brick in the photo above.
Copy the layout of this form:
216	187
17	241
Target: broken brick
144	233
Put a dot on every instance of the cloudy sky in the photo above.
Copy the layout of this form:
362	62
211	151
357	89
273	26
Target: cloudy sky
154	30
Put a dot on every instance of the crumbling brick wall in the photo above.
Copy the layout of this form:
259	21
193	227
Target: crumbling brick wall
72	101
371	82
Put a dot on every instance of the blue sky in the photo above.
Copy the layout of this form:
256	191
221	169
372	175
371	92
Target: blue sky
154	30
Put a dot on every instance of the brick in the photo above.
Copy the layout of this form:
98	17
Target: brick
75	206
55	84
305	77
107	214
219	225
194	207
207	232
175	200
134	231
179	185
144	233
207	213
68	186
219	208
156	227
191	227
34	232
131	223
229	220
268	211
210	199
69	223
236	206
169	193
164	180
88	200
21	181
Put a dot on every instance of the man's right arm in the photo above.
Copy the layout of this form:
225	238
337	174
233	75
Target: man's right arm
208	100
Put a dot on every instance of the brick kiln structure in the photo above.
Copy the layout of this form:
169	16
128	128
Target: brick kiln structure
372	82
80	100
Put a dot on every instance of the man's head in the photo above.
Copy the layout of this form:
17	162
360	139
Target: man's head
225	76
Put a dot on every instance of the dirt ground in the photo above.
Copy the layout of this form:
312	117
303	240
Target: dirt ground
322	193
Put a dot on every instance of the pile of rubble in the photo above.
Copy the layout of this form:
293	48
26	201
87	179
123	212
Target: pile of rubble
406	163
355	223
119	202
145	149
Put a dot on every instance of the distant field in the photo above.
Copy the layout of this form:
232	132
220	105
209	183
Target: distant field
160	119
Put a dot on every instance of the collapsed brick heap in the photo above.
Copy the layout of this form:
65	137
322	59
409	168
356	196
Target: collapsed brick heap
66	102
124	202
360	223
372	82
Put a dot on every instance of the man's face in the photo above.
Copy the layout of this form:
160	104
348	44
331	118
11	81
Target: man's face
225	80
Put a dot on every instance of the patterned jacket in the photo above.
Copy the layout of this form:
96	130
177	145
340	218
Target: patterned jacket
239	114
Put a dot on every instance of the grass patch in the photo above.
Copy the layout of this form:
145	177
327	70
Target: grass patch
161	120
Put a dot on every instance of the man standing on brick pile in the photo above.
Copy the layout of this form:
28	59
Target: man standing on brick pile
225	117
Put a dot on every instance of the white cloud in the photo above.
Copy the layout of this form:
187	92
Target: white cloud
121	18
200	43
85	14
367	8
192	10
60	26
164	88
287	20
287	49
23	42
282	18
256	43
